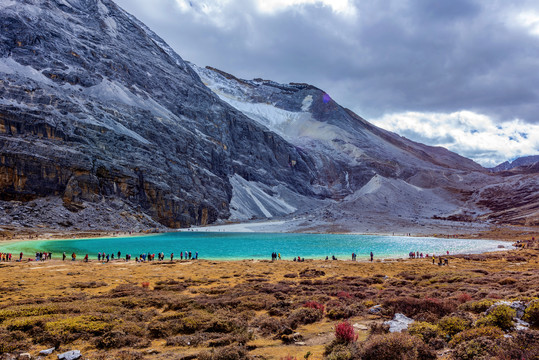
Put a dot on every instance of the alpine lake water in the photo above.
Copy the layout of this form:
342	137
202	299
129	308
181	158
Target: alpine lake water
238	246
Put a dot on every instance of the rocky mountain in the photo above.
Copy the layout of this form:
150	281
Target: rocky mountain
96	110
102	125
371	173
525	161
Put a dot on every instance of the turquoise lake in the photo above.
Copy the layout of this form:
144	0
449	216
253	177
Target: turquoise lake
235	246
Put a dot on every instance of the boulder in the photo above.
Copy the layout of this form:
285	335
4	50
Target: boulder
47	351
399	323
375	310
70	355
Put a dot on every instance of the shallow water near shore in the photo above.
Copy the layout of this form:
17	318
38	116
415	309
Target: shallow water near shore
237	246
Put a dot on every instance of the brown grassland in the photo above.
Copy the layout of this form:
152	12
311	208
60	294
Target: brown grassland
270	310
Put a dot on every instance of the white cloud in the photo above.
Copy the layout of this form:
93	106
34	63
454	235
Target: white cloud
473	135
529	20
274	6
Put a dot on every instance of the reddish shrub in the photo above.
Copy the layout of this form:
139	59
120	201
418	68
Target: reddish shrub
343	295
464	297
314	305
411	307
344	333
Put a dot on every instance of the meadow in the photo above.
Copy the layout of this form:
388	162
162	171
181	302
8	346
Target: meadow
258	309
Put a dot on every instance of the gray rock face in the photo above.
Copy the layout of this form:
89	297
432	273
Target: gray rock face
95	107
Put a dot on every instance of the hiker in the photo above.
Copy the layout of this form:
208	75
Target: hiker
372	256
171	256
440	261
279	256
196	255
20	256
73	257
181	255
98	256
119	254
86	258
446	261
64	256
433	257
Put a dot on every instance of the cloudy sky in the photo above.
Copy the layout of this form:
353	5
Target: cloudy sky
461	74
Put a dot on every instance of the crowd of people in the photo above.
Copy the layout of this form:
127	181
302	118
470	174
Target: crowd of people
102	256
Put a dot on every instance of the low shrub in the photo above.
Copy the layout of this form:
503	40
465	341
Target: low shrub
226	353
341	312
522	345
531	314
314	305
84	324
424	330
490	332
128	355
463	298
88	284
479	348
304	316
12	341
118	339
500	316
478	306
340	352
267	325
507	281
344	333
395	346
378	329
452	325
411	307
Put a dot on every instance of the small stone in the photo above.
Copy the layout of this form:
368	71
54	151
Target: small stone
47	352
376	309
70	355
361	327
152	351
25	356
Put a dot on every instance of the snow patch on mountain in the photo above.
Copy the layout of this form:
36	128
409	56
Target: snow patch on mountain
253	199
307	102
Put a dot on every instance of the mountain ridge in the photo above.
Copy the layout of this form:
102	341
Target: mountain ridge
103	125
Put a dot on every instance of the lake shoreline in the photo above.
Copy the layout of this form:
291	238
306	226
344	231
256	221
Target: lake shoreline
231	246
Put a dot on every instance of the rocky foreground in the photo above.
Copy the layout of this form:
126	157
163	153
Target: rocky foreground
477	307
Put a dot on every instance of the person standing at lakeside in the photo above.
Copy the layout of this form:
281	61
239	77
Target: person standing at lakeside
372	256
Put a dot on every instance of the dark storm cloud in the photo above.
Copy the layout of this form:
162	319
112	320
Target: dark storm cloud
390	56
